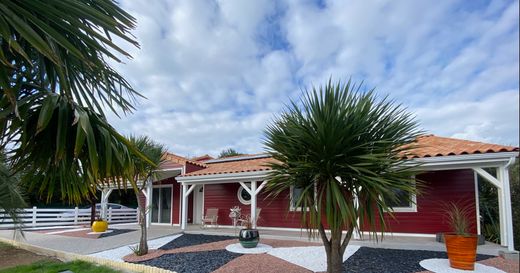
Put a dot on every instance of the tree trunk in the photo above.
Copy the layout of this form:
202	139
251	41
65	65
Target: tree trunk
335	255
92	210
143	242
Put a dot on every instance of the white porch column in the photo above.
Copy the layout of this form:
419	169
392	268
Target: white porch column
148	194
504	202
105	193
186	190
253	203
184	207
508	214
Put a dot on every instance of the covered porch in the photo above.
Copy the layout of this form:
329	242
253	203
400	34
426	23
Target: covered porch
252	182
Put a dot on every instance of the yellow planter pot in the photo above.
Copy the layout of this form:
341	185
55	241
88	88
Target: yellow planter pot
100	226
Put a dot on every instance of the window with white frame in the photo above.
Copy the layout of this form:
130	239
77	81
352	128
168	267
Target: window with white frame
404	201
243	196
296	193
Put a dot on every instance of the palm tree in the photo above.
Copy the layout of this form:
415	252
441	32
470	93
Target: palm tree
11	199
228	152
343	149
145	172
56	82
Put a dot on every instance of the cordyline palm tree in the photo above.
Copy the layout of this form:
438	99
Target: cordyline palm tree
55	82
145	172
344	149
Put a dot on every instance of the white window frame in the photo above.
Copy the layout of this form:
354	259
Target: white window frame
160	205
291	203
413	202
239	196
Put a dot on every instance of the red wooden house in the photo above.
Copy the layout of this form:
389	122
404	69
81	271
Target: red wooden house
450	170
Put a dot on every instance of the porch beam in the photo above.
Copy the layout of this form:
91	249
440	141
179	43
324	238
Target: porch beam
261	187
246	188
488	177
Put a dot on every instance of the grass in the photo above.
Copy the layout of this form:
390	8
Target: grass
53	267
4	246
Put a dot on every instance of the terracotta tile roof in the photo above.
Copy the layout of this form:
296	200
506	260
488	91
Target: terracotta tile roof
237	165
431	146
172	159
202	158
427	146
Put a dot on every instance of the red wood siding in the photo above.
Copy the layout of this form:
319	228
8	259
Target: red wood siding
440	187
275	212
175	199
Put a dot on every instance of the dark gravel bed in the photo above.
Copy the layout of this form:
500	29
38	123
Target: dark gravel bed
191	262
194	239
116	232
381	260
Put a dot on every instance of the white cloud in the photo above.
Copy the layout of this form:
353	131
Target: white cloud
215	72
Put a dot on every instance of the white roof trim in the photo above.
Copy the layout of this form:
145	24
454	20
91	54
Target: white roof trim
427	163
224	178
465	161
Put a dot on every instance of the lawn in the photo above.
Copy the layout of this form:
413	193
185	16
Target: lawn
15	260
53	266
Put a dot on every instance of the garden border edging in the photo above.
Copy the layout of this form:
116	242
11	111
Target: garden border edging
73	256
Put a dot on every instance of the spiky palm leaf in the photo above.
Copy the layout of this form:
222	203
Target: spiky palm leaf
337	144
55	81
11	198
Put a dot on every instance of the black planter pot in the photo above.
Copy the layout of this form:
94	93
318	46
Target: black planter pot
249	238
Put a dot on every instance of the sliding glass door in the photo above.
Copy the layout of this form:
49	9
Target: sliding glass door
162	204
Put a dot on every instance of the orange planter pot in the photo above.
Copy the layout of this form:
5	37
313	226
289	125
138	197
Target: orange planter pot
462	250
99	226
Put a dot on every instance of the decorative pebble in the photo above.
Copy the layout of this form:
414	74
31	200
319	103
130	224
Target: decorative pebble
194	239
238	248
313	258
191	262
382	260
443	266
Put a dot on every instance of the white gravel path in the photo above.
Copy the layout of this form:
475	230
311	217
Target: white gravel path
443	266
310	257
118	253
259	249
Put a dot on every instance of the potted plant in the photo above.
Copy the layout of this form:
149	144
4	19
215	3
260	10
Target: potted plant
99	225
461	244
248	236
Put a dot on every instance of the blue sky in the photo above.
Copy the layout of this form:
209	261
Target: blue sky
216	72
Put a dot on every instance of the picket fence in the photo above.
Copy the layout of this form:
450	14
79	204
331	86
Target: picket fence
46	217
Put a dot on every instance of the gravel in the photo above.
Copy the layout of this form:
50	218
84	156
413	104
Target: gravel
115	232
381	260
194	239
200	262
443	266
312	258
117	254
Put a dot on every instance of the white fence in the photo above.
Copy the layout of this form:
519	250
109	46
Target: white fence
44	217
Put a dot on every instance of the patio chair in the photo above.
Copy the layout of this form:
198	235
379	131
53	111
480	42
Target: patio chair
210	217
242	221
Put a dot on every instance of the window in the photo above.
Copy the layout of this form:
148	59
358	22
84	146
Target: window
243	196
296	193
403	202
